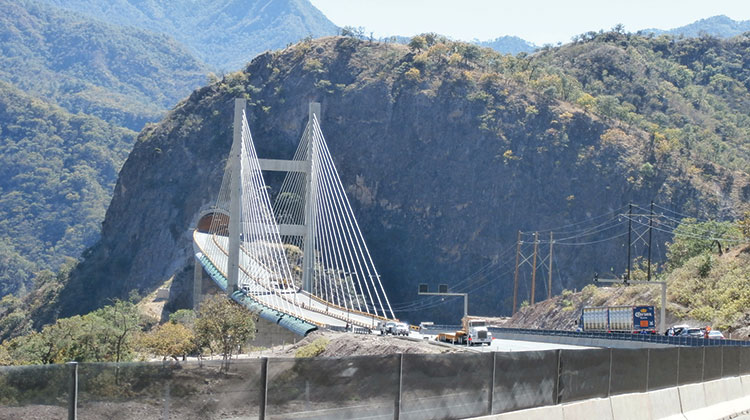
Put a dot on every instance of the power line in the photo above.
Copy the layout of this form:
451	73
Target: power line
688	235
559	229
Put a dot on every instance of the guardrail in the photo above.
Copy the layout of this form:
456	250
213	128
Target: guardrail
649	338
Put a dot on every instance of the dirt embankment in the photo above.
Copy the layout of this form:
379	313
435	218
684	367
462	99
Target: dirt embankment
347	344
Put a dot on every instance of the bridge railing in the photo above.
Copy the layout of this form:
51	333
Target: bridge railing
414	386
648	338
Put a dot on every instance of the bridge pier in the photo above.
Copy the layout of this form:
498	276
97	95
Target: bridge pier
197	284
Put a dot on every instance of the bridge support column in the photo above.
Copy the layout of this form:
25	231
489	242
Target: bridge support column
235	194
308	256
197	285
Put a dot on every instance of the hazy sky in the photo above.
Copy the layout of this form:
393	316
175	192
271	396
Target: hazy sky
537	21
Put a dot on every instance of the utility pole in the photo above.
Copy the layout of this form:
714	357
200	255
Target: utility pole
650	228
630	224
515	277
549	282
533	270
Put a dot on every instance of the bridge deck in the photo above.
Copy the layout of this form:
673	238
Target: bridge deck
256	280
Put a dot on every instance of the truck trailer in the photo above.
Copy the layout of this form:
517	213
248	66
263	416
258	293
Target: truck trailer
632	319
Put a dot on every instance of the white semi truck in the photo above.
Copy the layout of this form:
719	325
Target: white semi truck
474	332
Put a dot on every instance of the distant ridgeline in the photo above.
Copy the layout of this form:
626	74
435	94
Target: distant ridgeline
226	34
447	149
122	75
719	26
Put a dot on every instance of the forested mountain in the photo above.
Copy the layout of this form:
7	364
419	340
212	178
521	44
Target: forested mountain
72	90
123	75
223	33
57	171
446	150
690	96
508	45
719	26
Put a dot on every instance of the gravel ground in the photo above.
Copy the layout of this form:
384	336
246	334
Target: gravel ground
347	344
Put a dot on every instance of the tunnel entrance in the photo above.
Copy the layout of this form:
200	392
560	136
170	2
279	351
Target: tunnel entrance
214	222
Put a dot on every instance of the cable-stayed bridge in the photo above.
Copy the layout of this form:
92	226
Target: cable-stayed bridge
300	261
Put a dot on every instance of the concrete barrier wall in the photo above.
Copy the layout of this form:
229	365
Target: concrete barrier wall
550	412
692	397
732	389
597	408
665	404
631	406
745	380
718	399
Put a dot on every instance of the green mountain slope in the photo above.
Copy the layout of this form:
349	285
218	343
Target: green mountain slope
690	96
57	171
224	33
446	150
122	75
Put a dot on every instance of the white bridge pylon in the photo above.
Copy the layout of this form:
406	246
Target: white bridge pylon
303	256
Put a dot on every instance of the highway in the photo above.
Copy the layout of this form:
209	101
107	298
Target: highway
518	345
504	345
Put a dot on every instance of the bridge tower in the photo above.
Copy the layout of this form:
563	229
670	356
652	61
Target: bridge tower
305	230
240	241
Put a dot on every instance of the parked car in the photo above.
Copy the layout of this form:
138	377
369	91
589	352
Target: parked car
692	332
715	334
401	329
677	329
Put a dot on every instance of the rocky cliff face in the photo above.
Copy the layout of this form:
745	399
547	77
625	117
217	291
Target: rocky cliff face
445	156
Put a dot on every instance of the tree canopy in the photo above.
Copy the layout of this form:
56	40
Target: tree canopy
57	172
224	326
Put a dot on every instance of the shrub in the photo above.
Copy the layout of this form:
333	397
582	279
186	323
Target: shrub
413	74
313	349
